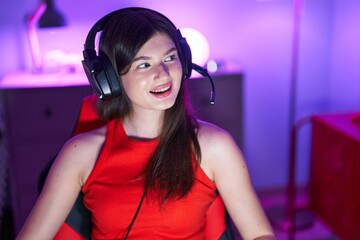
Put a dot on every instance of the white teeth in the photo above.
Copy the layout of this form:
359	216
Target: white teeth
161	90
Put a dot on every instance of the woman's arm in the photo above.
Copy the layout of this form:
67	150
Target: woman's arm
62	186
223	161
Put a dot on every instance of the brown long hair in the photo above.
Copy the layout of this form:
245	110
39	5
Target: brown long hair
122	37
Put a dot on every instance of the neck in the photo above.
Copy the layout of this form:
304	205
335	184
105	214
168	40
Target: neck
144	126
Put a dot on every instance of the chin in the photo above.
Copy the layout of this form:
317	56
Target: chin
166	106
169	103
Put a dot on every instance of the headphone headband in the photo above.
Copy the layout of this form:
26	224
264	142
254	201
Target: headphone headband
98	68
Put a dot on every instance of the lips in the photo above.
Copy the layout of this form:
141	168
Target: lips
162	91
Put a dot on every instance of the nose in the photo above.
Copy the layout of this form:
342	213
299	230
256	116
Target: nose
162	71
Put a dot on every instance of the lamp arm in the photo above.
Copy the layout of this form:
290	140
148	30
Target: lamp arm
33	37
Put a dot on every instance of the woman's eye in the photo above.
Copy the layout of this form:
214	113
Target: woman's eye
143	65
170	58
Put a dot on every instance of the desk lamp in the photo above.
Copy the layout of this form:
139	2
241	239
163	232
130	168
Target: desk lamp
45	16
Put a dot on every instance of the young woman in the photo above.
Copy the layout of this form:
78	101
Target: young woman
151	147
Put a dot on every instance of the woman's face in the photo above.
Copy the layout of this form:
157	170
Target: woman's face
154	78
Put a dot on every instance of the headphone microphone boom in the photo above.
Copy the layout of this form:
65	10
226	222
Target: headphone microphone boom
204	72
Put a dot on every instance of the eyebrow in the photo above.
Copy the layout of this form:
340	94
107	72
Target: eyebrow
147	58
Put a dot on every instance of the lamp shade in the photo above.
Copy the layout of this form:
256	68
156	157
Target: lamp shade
51	17
199	45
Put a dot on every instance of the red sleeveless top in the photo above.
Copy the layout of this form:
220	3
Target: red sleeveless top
114	189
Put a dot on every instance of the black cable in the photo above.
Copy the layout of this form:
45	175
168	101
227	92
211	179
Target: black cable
136	213
204	72
143	196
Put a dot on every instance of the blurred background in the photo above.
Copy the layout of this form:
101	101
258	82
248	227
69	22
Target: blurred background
256	37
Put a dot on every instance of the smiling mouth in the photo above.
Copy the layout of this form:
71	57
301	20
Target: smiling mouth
160	91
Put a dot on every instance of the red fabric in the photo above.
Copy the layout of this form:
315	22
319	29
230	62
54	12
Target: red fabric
88	118
114	189
67	233
215	215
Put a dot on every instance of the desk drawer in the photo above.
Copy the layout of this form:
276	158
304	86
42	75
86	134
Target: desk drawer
43	112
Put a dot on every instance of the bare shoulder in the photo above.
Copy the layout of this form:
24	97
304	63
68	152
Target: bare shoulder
223	162
213	138
63	183
81	152
218	149
85	143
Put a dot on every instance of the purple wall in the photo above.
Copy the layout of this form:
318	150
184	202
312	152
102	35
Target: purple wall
257	36
345	60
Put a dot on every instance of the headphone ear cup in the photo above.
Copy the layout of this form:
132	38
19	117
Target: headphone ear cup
112	80
186	55
101	75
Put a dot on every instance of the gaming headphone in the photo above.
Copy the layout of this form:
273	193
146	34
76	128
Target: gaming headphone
101	73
